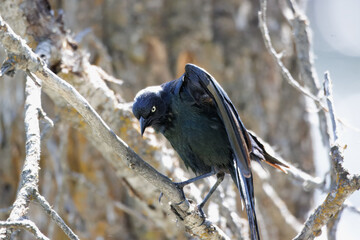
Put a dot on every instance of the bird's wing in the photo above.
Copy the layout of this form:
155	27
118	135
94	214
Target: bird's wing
205	89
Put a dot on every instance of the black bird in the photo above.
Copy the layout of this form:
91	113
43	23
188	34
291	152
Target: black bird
197	117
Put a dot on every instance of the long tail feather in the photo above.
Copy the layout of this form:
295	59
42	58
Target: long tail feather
246	189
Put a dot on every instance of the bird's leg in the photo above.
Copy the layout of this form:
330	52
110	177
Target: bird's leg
191	180
220	177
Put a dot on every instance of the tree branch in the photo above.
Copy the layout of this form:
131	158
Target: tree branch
25	224
329	100
30	173
302	39
346	184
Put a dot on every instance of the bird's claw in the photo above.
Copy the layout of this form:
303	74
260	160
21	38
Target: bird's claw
180	185
179	203
200	210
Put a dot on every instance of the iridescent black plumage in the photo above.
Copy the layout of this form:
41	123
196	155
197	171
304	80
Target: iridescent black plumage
197	117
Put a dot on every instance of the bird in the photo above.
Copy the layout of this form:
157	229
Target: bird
197	117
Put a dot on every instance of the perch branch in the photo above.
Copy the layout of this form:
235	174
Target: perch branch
28	60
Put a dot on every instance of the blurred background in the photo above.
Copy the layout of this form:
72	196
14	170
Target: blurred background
147	43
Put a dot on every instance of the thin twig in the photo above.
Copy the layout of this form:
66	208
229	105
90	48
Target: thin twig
55	216
351	207
309	182
277	57
329	100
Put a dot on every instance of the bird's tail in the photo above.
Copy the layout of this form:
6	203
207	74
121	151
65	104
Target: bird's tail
262	152
246	189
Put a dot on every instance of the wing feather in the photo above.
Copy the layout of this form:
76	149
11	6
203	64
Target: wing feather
199	82
200	85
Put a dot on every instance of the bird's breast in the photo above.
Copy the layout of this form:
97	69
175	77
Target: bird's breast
199	137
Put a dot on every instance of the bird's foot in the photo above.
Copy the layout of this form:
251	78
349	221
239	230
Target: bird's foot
199	208
179	203
181	185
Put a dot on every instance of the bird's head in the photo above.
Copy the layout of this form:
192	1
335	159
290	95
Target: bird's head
149	108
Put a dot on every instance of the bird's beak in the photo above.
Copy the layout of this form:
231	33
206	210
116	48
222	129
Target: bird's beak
143	125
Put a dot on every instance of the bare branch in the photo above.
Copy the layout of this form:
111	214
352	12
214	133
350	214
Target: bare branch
302	39
346	184
304	60
277	57
26	225
28	60
30	173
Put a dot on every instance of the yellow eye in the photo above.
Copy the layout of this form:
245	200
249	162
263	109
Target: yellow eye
153	109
